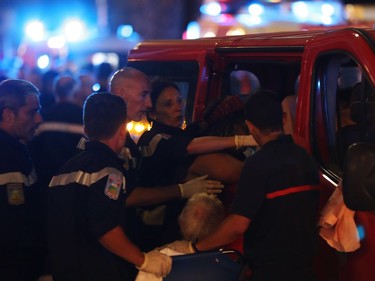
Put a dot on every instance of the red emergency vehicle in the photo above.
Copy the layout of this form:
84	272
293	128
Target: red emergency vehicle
330	76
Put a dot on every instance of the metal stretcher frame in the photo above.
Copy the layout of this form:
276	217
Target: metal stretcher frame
222	265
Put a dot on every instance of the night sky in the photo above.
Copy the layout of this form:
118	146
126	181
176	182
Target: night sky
54	12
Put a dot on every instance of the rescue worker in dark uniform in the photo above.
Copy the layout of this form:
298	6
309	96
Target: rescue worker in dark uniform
20	227
86	202
134	87
57	137
276	202
168	151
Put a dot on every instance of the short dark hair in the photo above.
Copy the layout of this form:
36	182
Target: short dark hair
264	110
223	116
103	114
64	85
158	86
13	93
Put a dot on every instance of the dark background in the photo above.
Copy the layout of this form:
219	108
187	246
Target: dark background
153	19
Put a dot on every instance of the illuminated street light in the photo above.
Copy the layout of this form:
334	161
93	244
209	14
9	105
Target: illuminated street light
124	31
56	42
74	30
211	9
43	61
35	30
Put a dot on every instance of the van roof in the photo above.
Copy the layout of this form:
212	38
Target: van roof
294	40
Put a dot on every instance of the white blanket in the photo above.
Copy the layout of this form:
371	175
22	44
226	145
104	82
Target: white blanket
337	225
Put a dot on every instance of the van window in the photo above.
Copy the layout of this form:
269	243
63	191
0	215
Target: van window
344	109
183	73
243	82
246	76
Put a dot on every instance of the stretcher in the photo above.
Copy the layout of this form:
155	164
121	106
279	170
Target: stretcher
222	265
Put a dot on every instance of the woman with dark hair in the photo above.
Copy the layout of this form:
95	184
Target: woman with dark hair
168	151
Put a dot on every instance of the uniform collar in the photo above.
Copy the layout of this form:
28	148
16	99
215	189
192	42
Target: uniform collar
280	139
167	129
99	147
8	138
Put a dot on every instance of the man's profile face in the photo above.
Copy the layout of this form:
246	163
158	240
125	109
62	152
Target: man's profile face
136	93
254	131
27	118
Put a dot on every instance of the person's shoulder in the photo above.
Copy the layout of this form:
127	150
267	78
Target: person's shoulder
14	157
146	137
71	106
12	147
78	161
64	112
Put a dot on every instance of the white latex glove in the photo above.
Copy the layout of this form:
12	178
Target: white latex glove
182	246
156	263
199	185
244	140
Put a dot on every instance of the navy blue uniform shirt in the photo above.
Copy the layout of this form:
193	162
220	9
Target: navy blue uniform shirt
86	199
20	217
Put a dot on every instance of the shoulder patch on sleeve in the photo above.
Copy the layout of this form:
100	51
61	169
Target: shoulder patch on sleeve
15	193
113	187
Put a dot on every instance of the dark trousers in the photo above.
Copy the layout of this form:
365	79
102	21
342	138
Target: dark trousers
281	272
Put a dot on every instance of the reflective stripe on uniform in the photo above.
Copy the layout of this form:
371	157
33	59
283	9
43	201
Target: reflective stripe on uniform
18	177
60	127
149	150
82	143
291	190
85	178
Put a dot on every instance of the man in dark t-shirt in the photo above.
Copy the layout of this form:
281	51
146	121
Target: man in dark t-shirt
276	203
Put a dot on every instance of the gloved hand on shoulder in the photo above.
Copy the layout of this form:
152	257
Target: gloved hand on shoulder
156	263
199	185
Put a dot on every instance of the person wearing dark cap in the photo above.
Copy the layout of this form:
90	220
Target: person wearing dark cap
275	207
21	254
167	152
86	203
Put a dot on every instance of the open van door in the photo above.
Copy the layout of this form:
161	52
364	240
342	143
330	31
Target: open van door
359	177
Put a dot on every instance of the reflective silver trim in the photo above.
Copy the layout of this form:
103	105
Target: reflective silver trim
18	177
60	127
82	143
149	150
85	178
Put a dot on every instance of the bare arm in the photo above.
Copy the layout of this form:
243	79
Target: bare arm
230	229
209	144
212	144
118	243
219	166
145	196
